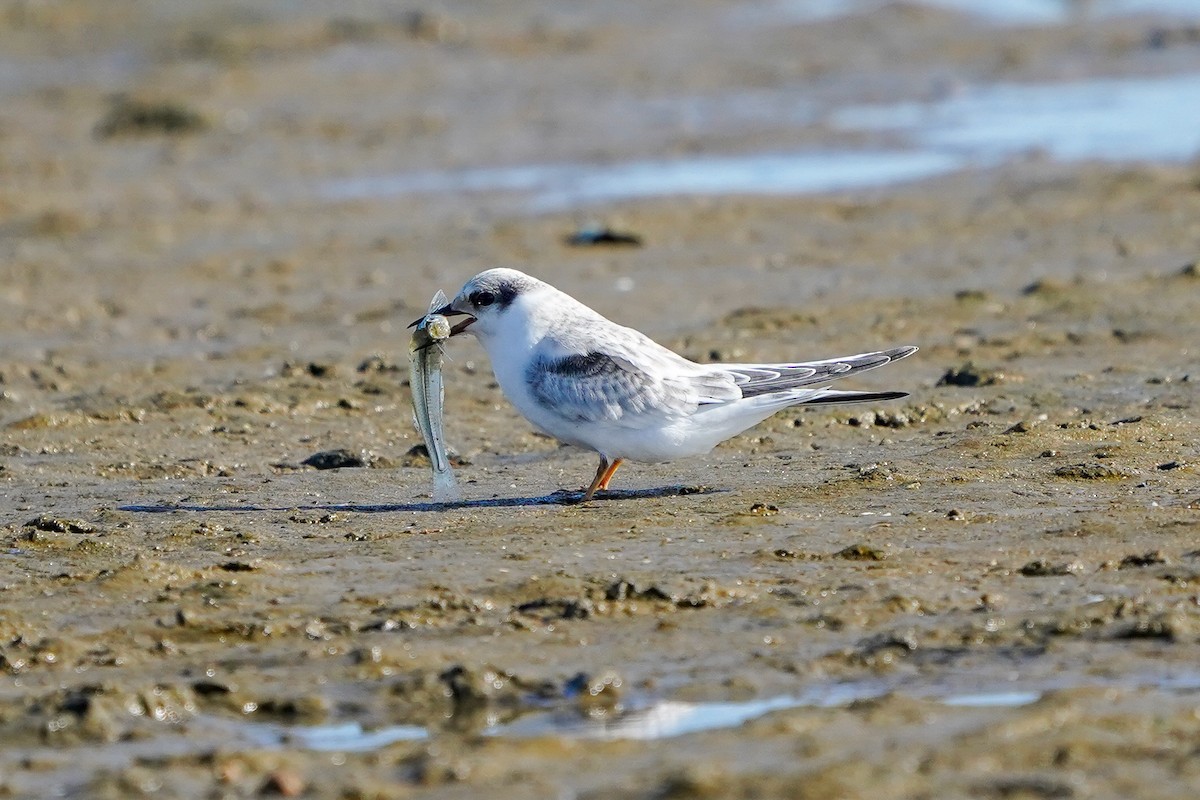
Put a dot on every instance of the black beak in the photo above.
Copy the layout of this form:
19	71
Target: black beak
462	326
448	311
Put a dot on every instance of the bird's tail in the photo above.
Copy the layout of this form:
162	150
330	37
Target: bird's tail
756	380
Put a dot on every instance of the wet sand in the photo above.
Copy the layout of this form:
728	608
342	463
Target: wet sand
987	589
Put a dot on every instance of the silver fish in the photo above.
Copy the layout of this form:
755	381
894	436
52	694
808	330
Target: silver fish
428	395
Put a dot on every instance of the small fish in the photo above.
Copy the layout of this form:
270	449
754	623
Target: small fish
428	395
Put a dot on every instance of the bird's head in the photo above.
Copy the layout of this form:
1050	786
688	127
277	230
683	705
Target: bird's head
485	299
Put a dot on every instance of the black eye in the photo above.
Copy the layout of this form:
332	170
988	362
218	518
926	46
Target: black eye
481	299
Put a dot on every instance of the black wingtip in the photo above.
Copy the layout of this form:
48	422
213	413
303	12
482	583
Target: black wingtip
854	397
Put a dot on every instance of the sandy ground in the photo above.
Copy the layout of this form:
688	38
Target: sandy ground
185	319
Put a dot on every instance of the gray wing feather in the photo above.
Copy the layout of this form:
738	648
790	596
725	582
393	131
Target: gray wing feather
760	379
599	386
612	386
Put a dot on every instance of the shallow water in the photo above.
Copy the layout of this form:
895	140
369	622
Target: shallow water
644	720
1007	12
993	699
978	127
668	718
561	186
1144	119
345	736
647	719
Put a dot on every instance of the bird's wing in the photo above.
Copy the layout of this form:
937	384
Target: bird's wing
759	379
617	375
622	377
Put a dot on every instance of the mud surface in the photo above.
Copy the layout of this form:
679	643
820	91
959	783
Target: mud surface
988	589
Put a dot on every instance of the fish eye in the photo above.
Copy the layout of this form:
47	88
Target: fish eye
482	298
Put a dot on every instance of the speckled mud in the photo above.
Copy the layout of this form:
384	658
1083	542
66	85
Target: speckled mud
986	590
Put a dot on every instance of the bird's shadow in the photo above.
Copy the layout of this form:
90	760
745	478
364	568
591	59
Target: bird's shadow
559	498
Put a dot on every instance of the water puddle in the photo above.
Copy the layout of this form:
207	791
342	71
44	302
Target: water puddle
644	720
1145	119
992	699
560	186
348	737
663	719
669	718
651	720
1000	12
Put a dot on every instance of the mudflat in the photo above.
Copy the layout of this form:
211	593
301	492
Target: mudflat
216	221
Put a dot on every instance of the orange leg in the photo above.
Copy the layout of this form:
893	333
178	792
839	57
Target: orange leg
604	474
608	473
